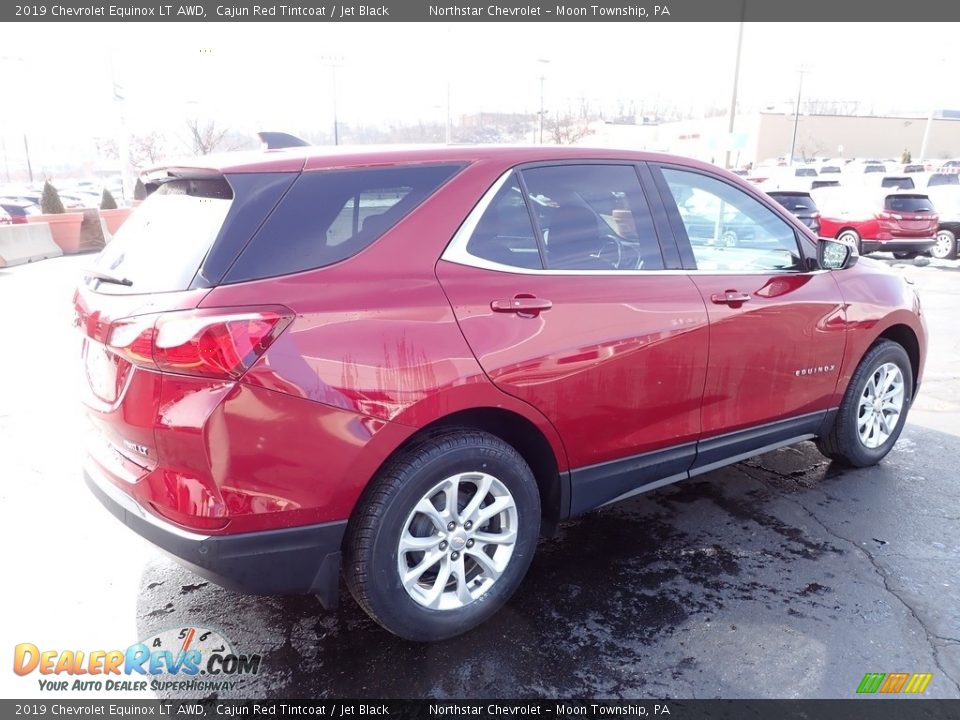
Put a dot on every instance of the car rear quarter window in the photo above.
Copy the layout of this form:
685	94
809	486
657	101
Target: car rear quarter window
504	234
329	216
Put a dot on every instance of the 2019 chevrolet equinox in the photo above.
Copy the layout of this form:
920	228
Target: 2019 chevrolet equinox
400	365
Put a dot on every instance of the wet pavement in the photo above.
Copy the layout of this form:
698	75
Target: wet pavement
783	576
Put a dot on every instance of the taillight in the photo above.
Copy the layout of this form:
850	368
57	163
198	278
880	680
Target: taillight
215	343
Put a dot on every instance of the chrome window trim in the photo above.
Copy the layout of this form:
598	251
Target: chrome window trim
456	250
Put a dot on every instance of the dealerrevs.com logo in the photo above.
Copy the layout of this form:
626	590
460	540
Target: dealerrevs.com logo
189	659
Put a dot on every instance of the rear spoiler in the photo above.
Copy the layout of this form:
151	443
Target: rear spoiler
280	140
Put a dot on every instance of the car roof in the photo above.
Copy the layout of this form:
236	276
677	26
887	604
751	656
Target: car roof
334	157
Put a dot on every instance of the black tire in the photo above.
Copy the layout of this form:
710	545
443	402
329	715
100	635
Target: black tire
842	443
906	255
373	533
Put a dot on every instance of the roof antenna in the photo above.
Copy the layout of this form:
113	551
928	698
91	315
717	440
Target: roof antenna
280	140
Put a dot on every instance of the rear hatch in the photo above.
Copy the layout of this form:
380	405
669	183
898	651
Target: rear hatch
908	215
136	308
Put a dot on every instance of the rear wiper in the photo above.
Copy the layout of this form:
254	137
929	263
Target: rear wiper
108	278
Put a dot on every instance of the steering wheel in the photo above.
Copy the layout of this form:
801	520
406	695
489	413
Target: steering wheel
608	241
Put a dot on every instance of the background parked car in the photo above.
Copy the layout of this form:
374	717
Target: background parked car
946	199
935	179
801	204
903	222
19	209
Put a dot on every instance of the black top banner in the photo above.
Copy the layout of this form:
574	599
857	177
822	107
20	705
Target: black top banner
503	11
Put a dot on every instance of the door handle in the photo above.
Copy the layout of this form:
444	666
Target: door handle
521	305
734	298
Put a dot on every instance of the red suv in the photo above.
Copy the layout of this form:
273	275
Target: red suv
405	365
904	223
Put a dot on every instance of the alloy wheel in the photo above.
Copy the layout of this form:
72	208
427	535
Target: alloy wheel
944	245
880	406
457	541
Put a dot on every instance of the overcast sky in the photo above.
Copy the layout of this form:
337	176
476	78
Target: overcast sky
253	76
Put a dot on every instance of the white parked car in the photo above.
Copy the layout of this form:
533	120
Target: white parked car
946	200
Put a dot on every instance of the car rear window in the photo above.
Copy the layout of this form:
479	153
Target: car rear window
904	183
161	245
805	172
796	203
329	216
874	169
908	203
943	179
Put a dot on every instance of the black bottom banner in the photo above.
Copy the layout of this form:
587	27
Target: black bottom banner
854	709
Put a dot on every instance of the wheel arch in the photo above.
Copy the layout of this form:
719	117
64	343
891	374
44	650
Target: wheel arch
906	337
527	439
518	431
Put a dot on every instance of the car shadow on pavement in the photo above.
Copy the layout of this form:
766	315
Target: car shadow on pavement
784	576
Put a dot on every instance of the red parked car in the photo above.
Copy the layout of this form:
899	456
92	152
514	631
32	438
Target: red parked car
902	222
404	365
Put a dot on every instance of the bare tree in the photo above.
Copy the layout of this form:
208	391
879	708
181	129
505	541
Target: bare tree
205	137
568	129
147	150
144	150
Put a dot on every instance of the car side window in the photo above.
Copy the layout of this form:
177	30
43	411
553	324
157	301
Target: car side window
730	231
593	217
504	234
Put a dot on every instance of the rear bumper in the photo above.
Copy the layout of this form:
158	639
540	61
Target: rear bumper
298	560
898	245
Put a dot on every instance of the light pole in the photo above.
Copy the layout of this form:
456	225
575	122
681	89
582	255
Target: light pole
333	62
123	141
736	82
448	134
26	145
543	77
796	116
941	61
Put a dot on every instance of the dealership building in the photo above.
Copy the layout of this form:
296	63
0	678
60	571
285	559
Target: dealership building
764	136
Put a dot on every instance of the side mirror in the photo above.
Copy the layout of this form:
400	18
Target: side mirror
834	255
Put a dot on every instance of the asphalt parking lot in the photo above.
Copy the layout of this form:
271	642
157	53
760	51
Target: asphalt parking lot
779	577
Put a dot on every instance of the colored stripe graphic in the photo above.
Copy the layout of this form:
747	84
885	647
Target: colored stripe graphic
870	682
918	682
894	682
